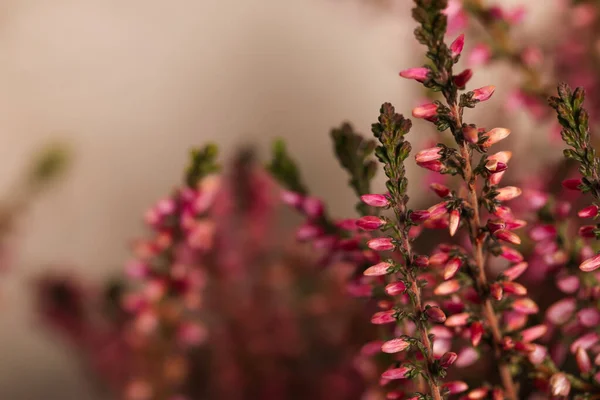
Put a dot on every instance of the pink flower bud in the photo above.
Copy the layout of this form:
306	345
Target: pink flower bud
454	222
583	360
431	154
511	254
495	166
396	373
559	385
476	330
466	357
514	288
421	261
496	225
457	320
378	269
292	199
435	166
371	348
588	212
585	342
381	244
507	236
370	223
534	333
508	193
452	268
440	189
419	74
396	288
587	231
438	210
494	136
571	184
480	55
542	232
313	207
561	311
455	387
395	346
538	355
484	93
525	306
308	232
446	288
375	200
589	317
515	224
463	78
515	271
591	264
426	111
568	284
457	46
435	314
383	317
496	291
419	215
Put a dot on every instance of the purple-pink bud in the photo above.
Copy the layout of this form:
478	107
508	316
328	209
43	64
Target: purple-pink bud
419	215
494	136
292	198
585	342
471	134
507	236
383	317
511	254
308	232
396	288
572	184
370	223
379	269
452	268
514	288
543	232
496	291
435	314
480	55
588	212
419	74
463	78
534	333
587	231
508	193
440	189
454	221
381	244
435	166
583	360
484	93
561	311
395	346
560	385
457	320
515	271
421	261
455	387
525	306
375	200
590	264
396	373
457	46
568	284
446	288
313	207
589	317
437	210
426	111
431	154
448	359
476	331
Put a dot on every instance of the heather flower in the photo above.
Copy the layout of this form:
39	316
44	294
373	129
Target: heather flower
395	345
426	111
588	212
381	244
379	269
375	200
484	93
370	223
418	74
427	155
494	136
591	264
457	46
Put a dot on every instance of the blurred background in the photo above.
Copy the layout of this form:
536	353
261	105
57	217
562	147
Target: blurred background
130	86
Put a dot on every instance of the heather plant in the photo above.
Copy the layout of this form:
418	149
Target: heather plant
488	292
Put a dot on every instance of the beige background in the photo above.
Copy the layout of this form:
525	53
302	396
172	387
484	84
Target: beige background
133	84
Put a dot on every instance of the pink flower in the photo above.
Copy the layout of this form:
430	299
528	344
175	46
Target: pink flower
561	311
483	93
511	254
457	320
507	236
381	244
568	284
560	385
426	111
435	314
395	346
375	200
396	373
435	166
494	136
378	269
514	288
543	232
440	189
591	264
313	207
525	306
515	271
589	317
457	46
370	223
454	222
583	360
438	210
534	333
396	288
292	198
448	359
418	74
431	154
452	267
508	193
455	387
383	317
585	342
463	78
448	287
476	330
572	184
588	212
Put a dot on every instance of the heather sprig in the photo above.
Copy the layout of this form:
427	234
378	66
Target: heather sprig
486	239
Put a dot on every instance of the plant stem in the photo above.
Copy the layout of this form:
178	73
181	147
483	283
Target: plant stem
481	278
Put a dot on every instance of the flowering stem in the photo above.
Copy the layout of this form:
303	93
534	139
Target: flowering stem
481	278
